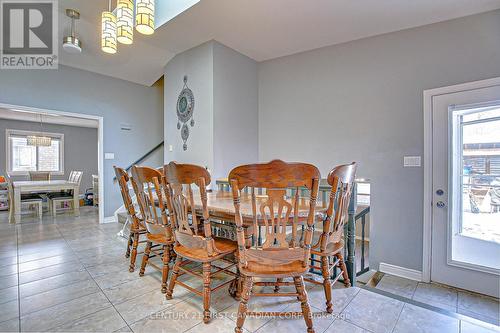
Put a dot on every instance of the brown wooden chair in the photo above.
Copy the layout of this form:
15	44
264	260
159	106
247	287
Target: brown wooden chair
150	196
330	245
285	250
137	228
193	235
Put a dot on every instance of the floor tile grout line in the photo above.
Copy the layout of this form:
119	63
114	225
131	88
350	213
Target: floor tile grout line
48	277
399	317
18	282
352	299
98	286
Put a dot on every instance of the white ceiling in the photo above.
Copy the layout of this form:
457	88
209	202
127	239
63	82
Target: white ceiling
47	118
260	29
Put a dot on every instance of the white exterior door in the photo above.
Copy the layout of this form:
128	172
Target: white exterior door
466	189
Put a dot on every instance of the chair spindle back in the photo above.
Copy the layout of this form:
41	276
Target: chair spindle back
179	181
123	181
151	199
279	215
341	179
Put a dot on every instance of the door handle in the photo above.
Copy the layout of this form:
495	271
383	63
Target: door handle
440	204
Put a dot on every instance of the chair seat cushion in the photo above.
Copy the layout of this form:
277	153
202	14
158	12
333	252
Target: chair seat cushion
30	197
225	247
59	195
260	269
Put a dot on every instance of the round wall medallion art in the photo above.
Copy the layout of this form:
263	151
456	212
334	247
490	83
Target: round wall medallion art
185	108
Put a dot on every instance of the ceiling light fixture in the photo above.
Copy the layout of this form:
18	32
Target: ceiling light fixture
145	16
40	140
125	21
71	43
108	37
118	24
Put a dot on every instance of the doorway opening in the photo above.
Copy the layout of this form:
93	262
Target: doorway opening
76	145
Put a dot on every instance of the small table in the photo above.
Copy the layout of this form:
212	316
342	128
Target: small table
42	186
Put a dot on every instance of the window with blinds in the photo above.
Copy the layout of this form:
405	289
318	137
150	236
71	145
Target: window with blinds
22	157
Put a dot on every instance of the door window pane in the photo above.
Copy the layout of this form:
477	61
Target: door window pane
481	175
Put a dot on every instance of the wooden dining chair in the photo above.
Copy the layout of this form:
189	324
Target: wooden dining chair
285	250
330	245
148	188
193	234
137	229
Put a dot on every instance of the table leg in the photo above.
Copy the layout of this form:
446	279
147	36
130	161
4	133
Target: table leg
17	205
76	202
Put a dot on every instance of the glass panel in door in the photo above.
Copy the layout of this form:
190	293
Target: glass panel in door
475	183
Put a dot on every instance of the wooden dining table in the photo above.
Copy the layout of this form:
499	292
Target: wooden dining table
42	186
221	208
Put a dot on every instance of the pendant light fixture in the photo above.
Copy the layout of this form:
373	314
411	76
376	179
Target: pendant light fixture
72	43
108	37
39	140
125	21
145	16
118	24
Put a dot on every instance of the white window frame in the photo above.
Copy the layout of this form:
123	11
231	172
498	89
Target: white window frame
9	132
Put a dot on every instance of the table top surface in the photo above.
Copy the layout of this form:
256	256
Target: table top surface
222	202
22	183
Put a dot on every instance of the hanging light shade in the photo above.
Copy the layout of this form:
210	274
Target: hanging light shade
39	141
108	37
125	21
145	16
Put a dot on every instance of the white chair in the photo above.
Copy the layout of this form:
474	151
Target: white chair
39	175
31	200
65	196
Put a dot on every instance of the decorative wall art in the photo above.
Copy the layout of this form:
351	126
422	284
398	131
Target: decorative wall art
185	108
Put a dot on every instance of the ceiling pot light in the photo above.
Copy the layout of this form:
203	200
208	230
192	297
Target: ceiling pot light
145	16
71	43
108	33
125	21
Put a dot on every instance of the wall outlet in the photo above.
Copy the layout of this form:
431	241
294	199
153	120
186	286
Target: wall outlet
109	156
170	148
411	161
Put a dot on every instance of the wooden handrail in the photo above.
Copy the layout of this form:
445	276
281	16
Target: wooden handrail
143	157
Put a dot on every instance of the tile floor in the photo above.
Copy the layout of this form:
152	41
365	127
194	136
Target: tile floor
473	305
70	274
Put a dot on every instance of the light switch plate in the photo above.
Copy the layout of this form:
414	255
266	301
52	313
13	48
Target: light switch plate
109	156
170	148
412	161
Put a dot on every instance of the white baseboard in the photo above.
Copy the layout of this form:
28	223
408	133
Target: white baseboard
400	271
109	219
